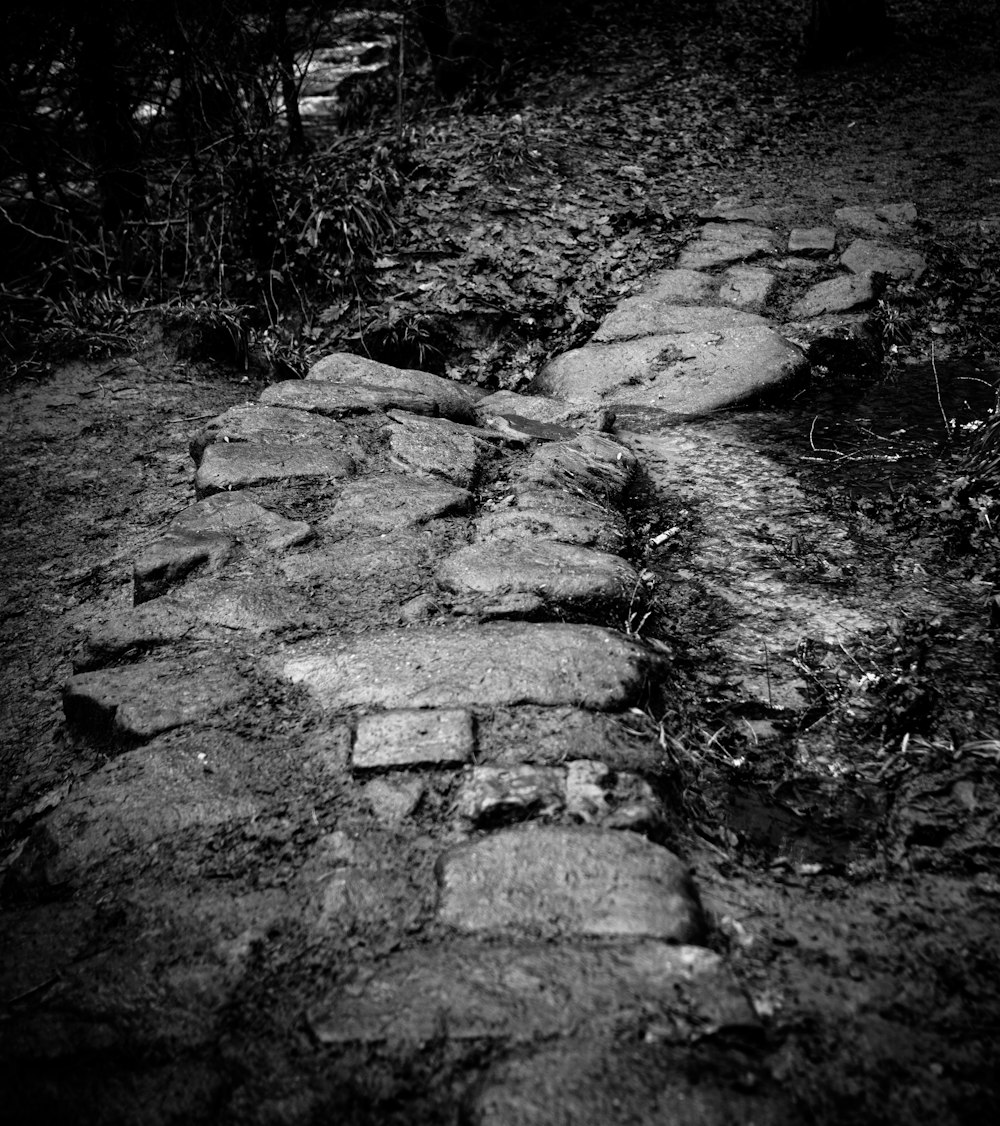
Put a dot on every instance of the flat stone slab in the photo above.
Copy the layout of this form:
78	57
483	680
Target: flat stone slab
441	448
644	316
556	419
385	502
582	791
551	514
721	244
561	574
451	399
684	374
142	700
591	465
812	241
496	664
731	210
613	1081
523	994
229	466
747	287
413	737
864	256
336	400
838	295
262	425
569	881
205	535
681	287
138	798
879	219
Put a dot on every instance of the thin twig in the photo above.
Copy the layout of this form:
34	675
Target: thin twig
937	388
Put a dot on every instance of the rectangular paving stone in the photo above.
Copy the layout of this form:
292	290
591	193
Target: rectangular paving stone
239	465
496	664
413	737
812	241
577	881
522	993
338	400
264	425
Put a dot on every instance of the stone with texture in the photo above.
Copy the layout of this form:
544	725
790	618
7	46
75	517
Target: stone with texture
585	881
452	399
612	1082
643	316
496	664
262	426
838	295
681	374
440	448
229	466
879	219
681	287
864	256
341	400
385	502
721	244
561	574
563	417
731	210
205	534
532	993
747	287
393	799
141	701
812	241
413	737
500	795
591	465
140	797
553	515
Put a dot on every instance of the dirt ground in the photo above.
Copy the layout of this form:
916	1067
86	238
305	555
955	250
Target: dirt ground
861	910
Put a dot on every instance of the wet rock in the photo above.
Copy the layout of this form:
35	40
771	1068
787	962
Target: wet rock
560	574
812	241
721	244
439	448
262	426
228	466
838	295
143	700
864	256
613	1083
747	287
141	797
682	374
551	514
497	664
590	464
452	399
334	400
643	316
393	800
681	287
569	881
413	737
205	535
533	993
566	418
385	502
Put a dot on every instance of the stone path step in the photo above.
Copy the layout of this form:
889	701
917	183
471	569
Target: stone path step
378	718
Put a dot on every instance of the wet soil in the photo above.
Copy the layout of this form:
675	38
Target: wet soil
845	846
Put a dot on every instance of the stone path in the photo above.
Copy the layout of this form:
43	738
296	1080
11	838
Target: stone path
379	799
